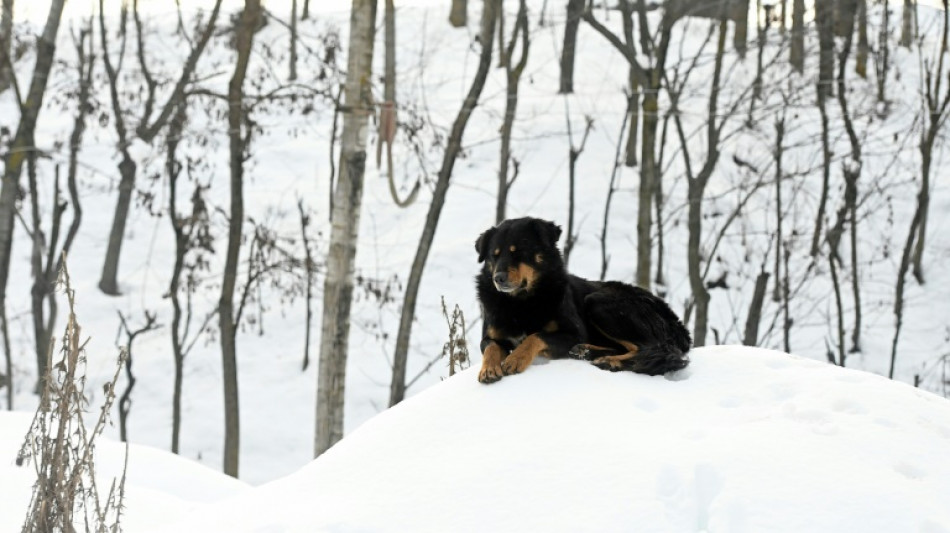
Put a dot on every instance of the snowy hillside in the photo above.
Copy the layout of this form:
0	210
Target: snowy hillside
743	440
290	161
160	486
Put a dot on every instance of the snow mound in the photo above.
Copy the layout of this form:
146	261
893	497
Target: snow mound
160	486
743	440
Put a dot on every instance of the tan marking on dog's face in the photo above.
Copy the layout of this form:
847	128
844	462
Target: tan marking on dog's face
523	274
512	248
550	327
497	252
539	258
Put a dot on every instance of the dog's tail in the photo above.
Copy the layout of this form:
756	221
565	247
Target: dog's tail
659	358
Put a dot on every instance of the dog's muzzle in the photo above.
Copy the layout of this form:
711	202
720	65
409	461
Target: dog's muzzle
502	283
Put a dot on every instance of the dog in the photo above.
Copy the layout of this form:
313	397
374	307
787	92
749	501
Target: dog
531	306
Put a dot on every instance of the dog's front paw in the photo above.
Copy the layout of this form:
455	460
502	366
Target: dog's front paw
516	364
490	373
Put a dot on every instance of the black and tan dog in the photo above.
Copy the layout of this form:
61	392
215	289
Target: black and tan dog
531	306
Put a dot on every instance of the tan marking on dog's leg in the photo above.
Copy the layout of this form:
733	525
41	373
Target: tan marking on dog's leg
522	356
615	362
491	364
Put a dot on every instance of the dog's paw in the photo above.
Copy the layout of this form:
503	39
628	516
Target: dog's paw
490	374
579	351
515	364
609	362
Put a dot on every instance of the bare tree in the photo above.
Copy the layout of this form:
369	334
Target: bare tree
861	56
397	390
649	78
125	400
851	169
193	241
23	145
239	138
6	44
936	114
513	74
824	89
293	41
458	16
345	217
574	153
908	22
797	50
575	8
882	54
147	129
697	186
388	122
108	280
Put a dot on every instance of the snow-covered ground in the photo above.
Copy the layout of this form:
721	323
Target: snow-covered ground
160	486
744	440
436	63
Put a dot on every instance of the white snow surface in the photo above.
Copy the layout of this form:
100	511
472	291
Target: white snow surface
743	440
159	486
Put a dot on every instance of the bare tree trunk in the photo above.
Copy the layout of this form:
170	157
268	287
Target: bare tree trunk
611	189
797	50
936	112
513	74
740	14
398	387
23	144
244	39
751	337
310	265
108	282
696	190
650	80
573	155
882	56
458	16
840	308
6	44
182	245
861	58
338	287
306	10
826	48
293	41
633	105
908	23
852	172
40	287
825	81
575	9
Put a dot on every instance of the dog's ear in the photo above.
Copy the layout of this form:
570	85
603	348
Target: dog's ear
549	232
481	245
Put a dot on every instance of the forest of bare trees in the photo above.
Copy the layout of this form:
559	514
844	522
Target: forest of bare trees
738	157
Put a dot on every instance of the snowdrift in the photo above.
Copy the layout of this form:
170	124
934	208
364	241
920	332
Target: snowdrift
743	440
160	486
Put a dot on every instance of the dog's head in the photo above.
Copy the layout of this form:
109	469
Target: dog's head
518	252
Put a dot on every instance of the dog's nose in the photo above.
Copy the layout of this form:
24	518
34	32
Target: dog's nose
501	277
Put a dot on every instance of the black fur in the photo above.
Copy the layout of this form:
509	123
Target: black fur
525	290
